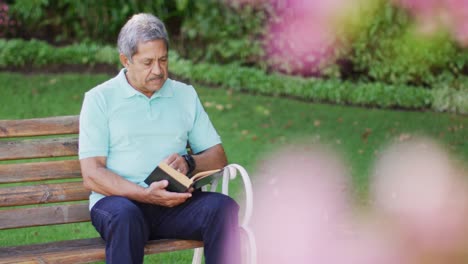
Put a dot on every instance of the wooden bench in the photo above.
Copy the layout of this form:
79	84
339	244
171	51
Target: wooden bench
40	185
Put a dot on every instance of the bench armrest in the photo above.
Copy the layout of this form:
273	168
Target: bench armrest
230	173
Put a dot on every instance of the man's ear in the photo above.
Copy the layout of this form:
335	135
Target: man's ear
124	60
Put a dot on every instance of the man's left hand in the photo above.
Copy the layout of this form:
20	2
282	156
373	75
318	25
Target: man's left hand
178	163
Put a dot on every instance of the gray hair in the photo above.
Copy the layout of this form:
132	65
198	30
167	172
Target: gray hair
140	28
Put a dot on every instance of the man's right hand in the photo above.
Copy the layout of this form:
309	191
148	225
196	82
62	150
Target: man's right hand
156	193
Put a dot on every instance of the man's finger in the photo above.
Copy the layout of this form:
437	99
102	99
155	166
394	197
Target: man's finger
169	160
170	195
160	184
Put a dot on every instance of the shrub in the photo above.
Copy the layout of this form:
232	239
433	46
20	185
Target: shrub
20	53
239	78
450	100
216	32
68	21
389	49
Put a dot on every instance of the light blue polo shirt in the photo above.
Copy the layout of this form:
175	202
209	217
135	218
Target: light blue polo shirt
135	132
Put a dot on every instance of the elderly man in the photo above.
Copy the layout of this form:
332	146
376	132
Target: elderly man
128	125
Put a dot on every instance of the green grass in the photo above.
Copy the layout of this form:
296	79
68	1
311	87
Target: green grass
250	126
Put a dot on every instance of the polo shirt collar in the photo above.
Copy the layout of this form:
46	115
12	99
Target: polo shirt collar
128	91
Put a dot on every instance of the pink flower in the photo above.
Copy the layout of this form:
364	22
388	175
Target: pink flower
302	198
417	188
305	212
434	15
301	36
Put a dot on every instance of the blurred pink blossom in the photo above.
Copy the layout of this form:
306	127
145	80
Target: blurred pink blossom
301	199
305	212
302	37
7	24
435	15
416	186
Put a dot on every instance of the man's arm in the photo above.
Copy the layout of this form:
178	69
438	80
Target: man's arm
98	178
209	159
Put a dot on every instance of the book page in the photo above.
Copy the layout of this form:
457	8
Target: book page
204	174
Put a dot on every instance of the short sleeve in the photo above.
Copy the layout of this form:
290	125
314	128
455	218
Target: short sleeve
94	130
203	134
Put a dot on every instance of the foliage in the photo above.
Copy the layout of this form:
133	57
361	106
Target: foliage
71	21
253	80
8	25
390	49
222	33
206	30
385	45
451	100
20	53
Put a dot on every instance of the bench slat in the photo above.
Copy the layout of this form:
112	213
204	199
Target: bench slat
39	126
38	148
39	171
82	250
46	215
43	193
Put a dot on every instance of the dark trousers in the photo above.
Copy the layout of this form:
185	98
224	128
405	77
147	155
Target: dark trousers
127	225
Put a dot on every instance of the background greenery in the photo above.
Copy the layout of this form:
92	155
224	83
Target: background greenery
384	44
386	56
34	54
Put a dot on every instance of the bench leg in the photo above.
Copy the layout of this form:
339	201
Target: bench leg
197	256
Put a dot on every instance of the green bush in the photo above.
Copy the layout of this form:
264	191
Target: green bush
239	78
384	44
450	100
69	21
204	30
220	33
20	53
388	48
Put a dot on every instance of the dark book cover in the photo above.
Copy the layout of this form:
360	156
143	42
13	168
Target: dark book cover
179	182
176	182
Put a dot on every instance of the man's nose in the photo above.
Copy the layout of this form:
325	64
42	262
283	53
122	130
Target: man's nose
156	69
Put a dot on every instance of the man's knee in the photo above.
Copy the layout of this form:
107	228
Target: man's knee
223	205
119	212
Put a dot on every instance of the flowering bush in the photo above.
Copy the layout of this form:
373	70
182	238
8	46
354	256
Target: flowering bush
434	15
7	24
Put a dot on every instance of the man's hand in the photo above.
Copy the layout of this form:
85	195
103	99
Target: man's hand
178	163
156	193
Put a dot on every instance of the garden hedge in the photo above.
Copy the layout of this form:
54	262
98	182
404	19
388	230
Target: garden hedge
37	54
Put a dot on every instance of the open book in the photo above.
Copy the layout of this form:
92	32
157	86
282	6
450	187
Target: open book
179	182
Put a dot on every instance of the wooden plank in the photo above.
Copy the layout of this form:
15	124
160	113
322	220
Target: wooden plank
38	148
82	251
39	126
44	215
168	245
38	171
43	193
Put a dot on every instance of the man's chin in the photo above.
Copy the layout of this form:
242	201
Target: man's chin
156	84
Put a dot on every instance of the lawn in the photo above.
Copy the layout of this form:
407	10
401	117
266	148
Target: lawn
250	126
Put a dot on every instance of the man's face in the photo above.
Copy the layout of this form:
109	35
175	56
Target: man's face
149	69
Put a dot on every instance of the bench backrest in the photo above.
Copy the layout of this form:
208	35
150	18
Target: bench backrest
40	173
